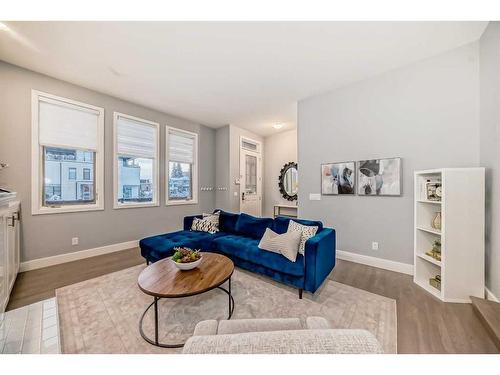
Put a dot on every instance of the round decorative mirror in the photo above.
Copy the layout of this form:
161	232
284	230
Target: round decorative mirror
288	181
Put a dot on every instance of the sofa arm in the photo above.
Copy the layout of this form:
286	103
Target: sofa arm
317	322
318	341
229	327
188	221
319	258
206	328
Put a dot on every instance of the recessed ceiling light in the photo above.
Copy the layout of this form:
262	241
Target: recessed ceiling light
278	125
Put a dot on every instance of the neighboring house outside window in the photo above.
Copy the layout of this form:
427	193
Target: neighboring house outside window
67	143
136	170
182	166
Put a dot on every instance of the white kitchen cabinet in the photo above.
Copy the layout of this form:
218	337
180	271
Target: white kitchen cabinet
9	249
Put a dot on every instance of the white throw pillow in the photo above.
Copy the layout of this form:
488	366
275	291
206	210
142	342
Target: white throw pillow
286	244
306	231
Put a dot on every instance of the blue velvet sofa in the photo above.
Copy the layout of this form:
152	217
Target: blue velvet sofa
238	239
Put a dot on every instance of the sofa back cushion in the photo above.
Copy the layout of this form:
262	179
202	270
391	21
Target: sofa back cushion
227	221
252	226
281	224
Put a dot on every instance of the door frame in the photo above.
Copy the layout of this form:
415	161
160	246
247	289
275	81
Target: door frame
258	154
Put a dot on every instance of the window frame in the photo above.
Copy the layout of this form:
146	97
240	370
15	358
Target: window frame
194	169
37	159
156	164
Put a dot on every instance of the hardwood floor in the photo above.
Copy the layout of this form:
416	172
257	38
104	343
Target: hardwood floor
37	285
425	324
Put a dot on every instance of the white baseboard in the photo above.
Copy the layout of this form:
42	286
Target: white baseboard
490	296
376	262
77	255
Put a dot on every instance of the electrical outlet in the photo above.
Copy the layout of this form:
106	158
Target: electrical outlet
74	241
374	245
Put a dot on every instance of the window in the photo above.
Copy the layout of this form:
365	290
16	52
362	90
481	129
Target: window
182	166
67	144
71	173
250	174
136	162
86	173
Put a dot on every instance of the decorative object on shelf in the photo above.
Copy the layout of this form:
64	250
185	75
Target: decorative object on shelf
436	221
186	259
379	177
433	190
288	181
435	252
338	178
436	282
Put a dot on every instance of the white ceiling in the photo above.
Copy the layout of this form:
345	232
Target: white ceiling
250	74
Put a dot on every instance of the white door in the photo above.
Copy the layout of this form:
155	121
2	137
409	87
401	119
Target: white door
250	182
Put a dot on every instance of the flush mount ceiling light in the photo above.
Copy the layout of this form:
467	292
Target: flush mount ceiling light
278	125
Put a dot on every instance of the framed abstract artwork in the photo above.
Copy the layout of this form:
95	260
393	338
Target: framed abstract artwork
379	177
338	178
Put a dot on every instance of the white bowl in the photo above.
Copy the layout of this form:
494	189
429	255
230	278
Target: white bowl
188	266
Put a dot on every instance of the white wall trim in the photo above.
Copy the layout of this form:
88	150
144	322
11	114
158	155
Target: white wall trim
77	255
376	262
490	296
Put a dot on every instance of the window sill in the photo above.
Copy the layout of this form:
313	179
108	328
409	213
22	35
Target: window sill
118	206
178	203
65	209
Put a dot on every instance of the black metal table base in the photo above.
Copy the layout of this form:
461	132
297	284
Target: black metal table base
155	304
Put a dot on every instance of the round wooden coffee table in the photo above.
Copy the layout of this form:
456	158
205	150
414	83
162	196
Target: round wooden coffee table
164	280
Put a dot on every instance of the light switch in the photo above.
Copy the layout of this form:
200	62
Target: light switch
314	197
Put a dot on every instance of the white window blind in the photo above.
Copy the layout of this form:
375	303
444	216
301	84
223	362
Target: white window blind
135	138
181	147
67	125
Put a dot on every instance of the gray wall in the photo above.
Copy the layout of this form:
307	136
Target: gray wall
490	146
47	235
222	146
280	149
427	113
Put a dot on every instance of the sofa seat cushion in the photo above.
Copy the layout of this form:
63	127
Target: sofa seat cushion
161	246
246	248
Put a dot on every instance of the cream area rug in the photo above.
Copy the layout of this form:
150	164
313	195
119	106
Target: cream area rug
102	315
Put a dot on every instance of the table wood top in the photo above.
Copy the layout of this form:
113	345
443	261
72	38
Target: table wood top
163	279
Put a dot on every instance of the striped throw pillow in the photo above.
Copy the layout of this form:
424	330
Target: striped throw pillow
286	244
205	225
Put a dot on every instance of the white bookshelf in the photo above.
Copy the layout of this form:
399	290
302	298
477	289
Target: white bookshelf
461	234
